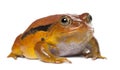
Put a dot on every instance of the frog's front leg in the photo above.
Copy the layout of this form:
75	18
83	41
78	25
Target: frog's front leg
93	48
44	54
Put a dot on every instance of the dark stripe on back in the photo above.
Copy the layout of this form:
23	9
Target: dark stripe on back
33	30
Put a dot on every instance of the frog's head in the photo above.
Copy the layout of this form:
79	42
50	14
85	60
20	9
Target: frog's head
73	27
63	27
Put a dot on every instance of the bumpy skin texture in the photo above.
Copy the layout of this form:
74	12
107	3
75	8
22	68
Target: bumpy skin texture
54	36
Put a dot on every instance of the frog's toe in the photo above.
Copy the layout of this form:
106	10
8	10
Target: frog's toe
94	57
62	60
98	57
12	55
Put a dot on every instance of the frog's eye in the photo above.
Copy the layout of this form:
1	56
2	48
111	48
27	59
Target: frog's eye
65	20
89	18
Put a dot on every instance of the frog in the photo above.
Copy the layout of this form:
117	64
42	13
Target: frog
53	38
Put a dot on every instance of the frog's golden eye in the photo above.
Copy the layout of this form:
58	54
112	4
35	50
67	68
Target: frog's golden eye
65	20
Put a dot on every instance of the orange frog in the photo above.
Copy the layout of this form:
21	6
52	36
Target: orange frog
52	38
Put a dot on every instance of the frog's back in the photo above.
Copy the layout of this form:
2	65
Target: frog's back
44	21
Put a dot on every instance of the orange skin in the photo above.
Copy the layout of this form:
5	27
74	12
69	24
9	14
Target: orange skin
54	36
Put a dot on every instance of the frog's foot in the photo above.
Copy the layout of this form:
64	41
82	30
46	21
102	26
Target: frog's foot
94	57
15	56
62	60
57	60
12	55
98	57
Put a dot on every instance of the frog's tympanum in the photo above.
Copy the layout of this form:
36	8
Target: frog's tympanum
51	39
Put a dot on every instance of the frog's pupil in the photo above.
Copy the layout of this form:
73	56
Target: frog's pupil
64	20
90	17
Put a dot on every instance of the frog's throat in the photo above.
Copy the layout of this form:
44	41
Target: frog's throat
73	47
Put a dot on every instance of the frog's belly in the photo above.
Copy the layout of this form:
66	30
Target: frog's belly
72	48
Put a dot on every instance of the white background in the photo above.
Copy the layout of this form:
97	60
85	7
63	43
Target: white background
17	15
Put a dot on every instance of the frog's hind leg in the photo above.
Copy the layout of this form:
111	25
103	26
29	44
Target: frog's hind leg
16	52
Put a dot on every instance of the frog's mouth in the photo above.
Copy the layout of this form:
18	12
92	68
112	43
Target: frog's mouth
80	26
75	29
